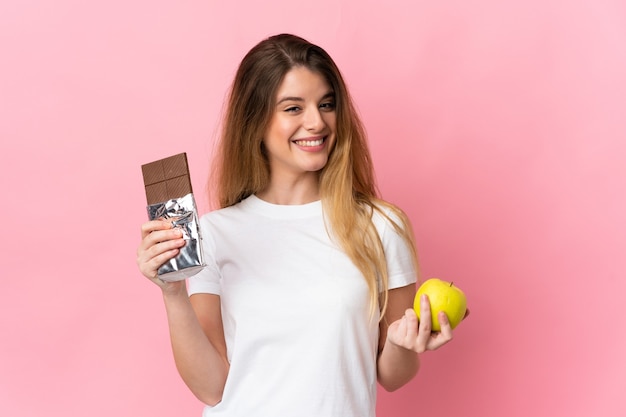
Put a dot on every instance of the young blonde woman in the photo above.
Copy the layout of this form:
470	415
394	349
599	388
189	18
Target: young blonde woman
305	303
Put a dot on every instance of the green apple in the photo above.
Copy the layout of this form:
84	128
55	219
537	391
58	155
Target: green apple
443	296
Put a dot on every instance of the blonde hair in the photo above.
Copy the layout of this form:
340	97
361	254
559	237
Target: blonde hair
347	184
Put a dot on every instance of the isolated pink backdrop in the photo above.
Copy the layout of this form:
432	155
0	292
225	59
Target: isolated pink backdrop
498	126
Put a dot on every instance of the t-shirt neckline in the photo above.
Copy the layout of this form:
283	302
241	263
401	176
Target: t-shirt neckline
281	211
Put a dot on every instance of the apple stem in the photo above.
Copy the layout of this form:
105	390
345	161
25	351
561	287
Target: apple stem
451	283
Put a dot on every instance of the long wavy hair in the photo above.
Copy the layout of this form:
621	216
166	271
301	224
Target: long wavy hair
347	184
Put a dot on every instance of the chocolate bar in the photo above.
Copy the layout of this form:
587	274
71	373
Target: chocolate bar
166	179
168	191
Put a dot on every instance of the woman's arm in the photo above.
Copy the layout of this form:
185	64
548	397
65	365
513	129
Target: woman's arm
402	338
198	344
195	322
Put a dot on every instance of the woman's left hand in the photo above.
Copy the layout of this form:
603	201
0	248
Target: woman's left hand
417	335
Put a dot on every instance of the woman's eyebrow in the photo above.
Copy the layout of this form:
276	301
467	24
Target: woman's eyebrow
330	94
289	99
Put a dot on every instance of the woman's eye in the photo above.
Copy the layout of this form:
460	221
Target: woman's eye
292	109
327	106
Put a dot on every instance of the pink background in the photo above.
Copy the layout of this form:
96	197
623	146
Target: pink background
498	126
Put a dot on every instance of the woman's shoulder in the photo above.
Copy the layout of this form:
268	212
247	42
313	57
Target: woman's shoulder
385	214
235	210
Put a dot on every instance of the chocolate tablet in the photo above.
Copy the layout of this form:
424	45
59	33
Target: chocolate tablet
168	191
166	179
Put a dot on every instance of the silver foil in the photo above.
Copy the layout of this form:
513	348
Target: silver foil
183	215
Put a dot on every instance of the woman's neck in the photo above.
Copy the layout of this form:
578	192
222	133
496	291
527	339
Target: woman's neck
294	191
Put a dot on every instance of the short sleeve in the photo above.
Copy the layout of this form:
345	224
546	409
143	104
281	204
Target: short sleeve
206	281
400	268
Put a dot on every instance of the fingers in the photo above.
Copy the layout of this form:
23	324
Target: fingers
153	226
160	242
411	323
150	261
157	231
407	328
403	331
445	335
425	325
417	335
426	338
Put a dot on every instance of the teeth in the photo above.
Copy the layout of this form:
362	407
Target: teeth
310	142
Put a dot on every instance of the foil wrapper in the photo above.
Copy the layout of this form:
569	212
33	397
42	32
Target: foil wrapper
183	215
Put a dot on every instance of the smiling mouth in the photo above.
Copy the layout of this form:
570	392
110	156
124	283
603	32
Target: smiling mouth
309	143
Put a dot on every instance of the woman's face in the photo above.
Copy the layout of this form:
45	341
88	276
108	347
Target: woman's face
302	130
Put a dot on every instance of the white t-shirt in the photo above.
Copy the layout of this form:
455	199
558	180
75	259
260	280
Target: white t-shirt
295	308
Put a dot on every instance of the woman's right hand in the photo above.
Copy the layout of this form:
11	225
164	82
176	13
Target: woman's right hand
160	242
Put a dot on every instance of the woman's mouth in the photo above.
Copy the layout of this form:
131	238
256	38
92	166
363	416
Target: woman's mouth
307	143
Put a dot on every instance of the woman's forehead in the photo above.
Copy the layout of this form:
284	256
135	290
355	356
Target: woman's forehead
300	82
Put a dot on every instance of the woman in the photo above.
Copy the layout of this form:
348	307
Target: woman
306	299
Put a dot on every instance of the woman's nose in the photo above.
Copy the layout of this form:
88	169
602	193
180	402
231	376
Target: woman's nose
314	121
